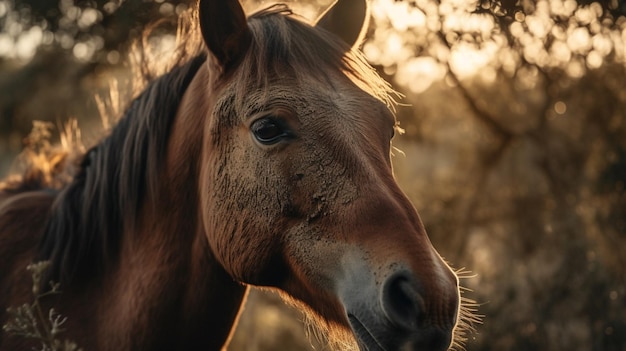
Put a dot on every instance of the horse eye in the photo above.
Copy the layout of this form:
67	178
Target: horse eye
268	131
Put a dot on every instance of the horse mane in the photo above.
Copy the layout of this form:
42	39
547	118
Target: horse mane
106	193
107	185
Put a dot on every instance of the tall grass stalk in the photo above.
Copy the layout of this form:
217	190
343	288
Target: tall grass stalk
31	322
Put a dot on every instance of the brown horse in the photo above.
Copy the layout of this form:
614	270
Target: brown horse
264	160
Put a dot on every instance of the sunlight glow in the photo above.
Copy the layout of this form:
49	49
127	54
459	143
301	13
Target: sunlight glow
539	25
560	107
466	60
602	44
401	15
563	8
419	73
161	49
415	38
554	34
82	51
27	43
4	8
579	40
88	17
6	44
560	53
575	69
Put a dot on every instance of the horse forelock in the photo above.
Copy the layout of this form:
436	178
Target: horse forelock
285	47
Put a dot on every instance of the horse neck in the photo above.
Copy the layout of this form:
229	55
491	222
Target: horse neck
167	265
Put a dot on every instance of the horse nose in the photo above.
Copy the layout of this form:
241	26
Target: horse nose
402	304
405	308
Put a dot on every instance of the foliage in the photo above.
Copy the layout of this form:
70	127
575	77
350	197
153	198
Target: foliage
93	31
527	159
31	322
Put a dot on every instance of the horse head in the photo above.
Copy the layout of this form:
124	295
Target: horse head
296	183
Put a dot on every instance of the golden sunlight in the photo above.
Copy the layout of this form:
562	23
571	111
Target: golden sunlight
420	41
408	41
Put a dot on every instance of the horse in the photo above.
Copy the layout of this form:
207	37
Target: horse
263	159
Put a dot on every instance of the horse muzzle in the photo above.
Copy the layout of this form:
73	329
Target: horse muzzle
399	311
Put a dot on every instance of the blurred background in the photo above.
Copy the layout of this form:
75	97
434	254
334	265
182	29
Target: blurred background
514	151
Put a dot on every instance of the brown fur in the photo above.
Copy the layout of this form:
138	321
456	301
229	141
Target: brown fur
165	222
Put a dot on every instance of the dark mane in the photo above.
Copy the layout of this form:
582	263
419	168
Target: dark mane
86	220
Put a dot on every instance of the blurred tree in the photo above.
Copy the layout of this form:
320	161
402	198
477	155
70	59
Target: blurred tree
90	30
528	162
48	49
52	54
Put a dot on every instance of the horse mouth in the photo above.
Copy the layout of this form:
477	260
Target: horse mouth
383	339
365	339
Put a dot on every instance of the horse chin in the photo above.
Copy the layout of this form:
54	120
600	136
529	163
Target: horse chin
365	339
373	336
335	334
367	333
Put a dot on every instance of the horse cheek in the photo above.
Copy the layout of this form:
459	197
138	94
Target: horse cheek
218	229
237	216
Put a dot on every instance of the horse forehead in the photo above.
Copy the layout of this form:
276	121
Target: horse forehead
354	113
340	102
332	104
314	101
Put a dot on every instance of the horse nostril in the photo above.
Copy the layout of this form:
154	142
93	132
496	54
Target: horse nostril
401	302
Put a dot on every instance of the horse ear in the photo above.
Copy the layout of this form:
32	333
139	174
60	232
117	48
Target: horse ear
347	19
225	30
